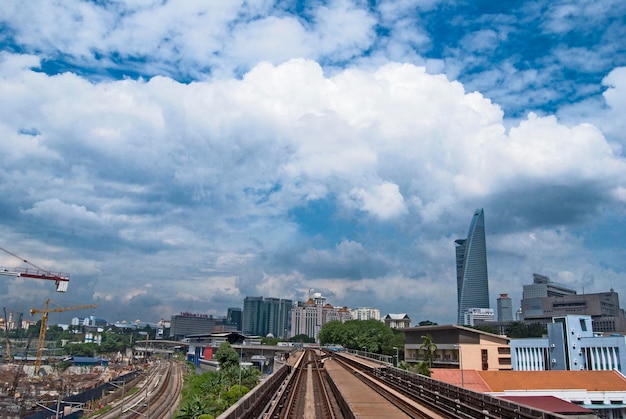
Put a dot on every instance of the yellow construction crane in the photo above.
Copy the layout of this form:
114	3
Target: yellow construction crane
44	325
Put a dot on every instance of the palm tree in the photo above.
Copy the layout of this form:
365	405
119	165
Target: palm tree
429	348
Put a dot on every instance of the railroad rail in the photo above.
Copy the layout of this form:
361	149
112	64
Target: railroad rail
318	401
156	398
449	400
345	386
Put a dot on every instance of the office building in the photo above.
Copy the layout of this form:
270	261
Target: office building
253	317
234	317
543	287
545	299
474	316
471	268
185	324
505	308
266	317
278	317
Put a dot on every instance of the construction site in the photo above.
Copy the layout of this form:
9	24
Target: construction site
36	378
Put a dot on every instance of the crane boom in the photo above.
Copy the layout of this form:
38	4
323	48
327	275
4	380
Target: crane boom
44	325
61	279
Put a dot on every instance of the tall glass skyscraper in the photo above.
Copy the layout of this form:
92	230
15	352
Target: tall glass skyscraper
471	268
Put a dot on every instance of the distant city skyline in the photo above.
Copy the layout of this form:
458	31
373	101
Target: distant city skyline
178	158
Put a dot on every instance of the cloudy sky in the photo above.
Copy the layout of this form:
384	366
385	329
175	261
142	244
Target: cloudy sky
181	155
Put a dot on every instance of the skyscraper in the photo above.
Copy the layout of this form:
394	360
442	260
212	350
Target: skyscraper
471	268
269	316
505	308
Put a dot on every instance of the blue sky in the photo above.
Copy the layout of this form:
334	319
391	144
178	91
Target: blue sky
181	155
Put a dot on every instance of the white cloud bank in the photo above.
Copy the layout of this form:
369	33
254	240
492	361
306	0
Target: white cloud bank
171	179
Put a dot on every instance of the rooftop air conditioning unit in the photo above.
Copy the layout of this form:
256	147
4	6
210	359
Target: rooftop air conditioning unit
554	360
573	331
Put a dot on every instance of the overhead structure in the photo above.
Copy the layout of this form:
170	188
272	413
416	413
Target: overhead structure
62	280
44	325
7	355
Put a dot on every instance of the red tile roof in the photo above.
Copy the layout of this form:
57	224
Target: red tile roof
548	403
468	379
499	381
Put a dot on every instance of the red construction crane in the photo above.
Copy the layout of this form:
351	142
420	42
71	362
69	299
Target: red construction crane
61	279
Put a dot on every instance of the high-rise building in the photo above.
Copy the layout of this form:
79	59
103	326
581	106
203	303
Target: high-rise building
253	316
471	268
233	317
505	308
264	317
365	313
278	317
307	318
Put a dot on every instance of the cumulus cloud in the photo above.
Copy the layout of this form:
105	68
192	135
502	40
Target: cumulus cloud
256	150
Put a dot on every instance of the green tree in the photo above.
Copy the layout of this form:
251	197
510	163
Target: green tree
429	348
270	341
371	335
302	338
523	330
81	349
226	356
332	332
426	323
487	328
423	369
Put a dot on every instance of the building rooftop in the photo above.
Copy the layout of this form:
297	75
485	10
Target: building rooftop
500	381
549	404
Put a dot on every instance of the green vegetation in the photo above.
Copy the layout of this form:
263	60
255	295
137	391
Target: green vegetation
302	338
371	335
270	341
113	339
423	367
209	394
523	330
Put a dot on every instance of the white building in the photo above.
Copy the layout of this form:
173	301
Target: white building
309	317
397	320
472	315
365	313
570	345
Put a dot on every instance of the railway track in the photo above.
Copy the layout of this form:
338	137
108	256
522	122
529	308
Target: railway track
346	393
318	402
345	386
155	397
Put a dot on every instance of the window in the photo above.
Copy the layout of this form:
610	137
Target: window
583	325
485	359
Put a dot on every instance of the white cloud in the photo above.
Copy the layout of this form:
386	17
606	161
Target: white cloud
197	186
383	201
